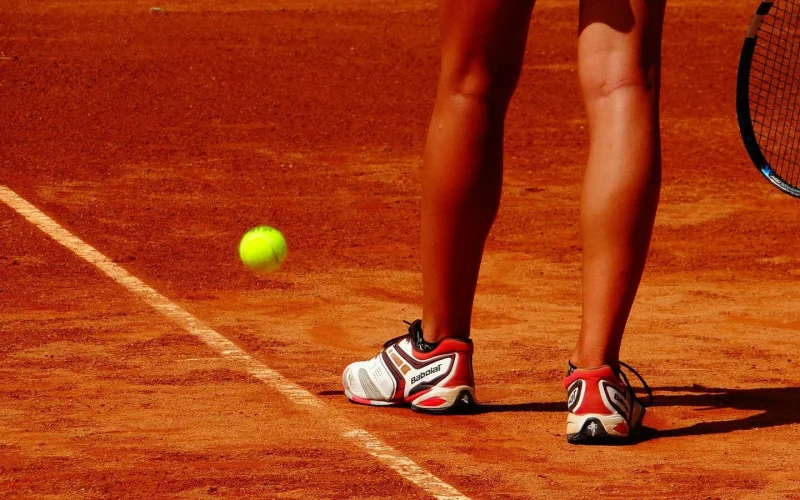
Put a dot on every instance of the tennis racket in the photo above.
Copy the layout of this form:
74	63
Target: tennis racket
768	93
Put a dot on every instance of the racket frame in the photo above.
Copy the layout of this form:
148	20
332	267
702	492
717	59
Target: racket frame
743	103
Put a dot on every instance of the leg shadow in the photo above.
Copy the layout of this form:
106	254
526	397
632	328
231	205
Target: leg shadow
777	406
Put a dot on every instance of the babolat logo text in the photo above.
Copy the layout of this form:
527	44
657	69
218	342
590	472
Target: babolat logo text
573	397
429	371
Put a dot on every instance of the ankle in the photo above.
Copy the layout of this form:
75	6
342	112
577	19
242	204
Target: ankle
433	332
583	362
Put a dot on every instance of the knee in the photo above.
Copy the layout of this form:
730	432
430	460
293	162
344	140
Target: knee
477	82
608	74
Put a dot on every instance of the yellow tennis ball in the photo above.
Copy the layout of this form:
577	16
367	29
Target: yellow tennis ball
263	249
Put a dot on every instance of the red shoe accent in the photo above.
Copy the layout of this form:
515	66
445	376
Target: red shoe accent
622	428
434	401
592	401
362	401
417	395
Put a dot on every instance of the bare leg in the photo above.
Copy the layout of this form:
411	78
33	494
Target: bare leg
483	43
619	56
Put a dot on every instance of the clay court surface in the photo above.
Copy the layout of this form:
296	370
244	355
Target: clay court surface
160	138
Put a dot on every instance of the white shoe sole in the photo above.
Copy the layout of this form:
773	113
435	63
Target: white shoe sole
437	400
594	427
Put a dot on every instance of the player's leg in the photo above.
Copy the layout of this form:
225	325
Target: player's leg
619	68
619	55
483	43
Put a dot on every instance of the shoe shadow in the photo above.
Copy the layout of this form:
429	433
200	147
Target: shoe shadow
777	406
331	393
523	407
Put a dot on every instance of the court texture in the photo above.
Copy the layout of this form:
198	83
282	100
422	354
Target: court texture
140	359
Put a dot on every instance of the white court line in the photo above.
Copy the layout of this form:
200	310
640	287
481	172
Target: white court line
392	458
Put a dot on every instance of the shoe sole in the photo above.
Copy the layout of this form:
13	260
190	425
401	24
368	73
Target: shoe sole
462	404
601	429
436	401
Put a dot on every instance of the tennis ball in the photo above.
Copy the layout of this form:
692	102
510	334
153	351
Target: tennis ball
263	249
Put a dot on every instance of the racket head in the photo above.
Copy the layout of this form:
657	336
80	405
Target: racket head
768	93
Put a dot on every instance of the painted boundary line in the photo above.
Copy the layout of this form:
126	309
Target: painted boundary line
404	466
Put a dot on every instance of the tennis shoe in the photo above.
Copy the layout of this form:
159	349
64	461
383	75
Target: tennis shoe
430	378
603	407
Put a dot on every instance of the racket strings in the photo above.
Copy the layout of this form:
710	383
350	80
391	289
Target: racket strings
775	89
777	82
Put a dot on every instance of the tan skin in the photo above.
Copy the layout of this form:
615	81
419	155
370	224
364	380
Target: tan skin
619	55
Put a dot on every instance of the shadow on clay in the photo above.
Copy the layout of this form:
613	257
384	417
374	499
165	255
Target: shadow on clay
777	406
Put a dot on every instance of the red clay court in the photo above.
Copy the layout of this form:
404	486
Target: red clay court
159	138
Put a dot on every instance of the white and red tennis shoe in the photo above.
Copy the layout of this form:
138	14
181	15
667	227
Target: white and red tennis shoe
602	405
431	378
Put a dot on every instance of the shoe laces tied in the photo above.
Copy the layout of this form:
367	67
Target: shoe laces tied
646	387
415	335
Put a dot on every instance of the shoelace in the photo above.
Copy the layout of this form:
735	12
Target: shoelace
628	384
410	333
415	333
